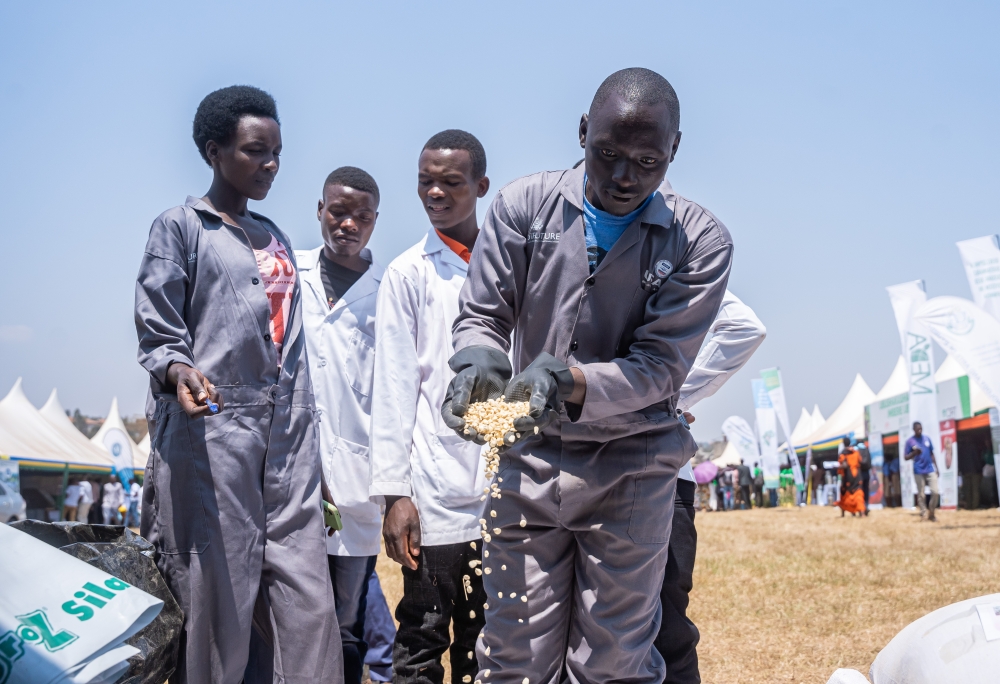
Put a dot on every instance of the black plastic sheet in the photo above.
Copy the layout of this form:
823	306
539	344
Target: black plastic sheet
120	552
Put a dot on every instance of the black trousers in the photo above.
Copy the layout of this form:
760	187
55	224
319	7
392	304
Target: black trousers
434	597
678	636
745	489
866	481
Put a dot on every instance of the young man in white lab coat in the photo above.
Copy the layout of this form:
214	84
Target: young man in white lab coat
340	282
733	338
430	479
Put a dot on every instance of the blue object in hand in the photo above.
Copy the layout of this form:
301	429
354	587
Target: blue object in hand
212	406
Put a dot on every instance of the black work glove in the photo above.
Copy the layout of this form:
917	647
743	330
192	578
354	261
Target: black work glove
545	384
482	374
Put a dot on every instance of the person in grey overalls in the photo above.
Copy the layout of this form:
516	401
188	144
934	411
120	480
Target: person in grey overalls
604	282
232	500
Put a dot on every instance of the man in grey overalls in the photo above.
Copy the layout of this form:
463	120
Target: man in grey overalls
606	282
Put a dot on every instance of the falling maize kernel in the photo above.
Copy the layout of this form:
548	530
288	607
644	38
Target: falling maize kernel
525	681
472	613
487	651
523	522
499	594
471	654
486	673
486	554
467	679
513	595
493	514
473	545
486	537
524	599
487	570
496	531
486	606
503	567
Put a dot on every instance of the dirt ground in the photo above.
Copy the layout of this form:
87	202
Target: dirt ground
789	595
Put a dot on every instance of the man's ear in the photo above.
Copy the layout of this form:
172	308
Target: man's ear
584	120
483	186
319	210
677	143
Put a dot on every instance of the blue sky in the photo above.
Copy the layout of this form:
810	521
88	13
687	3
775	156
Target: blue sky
847	147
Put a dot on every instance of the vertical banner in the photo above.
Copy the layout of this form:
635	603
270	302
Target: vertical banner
995	435
918	354
876	496
970	335
776	393
117	444
739	433
767	431
810	494
947	461
981	258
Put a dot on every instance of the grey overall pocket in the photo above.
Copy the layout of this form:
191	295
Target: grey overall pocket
653	505
180	511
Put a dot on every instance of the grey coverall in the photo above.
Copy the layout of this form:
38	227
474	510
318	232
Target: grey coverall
232	502
574	593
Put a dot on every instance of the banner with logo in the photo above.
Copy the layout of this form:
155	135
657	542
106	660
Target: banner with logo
739	433
767	431
981	258
918	354
118	445
10	475
63	620
876	486
948	464
970	335
776	393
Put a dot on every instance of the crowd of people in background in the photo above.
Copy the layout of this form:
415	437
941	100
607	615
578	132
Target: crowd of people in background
102	501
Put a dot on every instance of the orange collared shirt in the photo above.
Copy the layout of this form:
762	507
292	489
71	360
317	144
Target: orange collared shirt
457	247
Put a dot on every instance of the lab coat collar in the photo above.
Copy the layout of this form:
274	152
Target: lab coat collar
308	264
435	245
659	212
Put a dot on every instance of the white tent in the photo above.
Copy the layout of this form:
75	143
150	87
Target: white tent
847	418
113	433
730	456
143	448
26	435
817	418
803	428
897	383
952	369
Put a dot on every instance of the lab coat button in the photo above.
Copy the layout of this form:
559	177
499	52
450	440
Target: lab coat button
255	281
267	336
573	346
589	282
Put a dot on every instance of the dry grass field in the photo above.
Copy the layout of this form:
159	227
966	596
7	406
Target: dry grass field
789	595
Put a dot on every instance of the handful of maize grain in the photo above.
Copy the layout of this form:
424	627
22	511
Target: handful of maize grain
494	420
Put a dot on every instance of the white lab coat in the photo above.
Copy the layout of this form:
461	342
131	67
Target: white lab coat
734	336
341	347
413	452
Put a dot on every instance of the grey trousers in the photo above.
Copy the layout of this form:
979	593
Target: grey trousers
928	480
573	595
232	507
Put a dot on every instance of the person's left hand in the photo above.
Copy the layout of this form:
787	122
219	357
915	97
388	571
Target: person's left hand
545	385
689	417
327	497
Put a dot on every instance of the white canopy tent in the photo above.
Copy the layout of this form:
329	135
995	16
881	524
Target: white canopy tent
730	456
952	369
847	418
113	432
30	437
817	417
897	383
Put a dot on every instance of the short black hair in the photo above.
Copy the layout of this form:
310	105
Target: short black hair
916	423
219	114
455	139
640	87
353	177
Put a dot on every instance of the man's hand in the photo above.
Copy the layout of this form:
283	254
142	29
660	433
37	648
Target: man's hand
545	385
327	497
481	373
689	417
913	453
401	531
194	390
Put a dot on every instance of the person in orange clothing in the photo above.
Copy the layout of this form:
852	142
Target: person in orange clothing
852	498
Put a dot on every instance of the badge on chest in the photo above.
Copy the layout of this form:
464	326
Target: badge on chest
651	280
